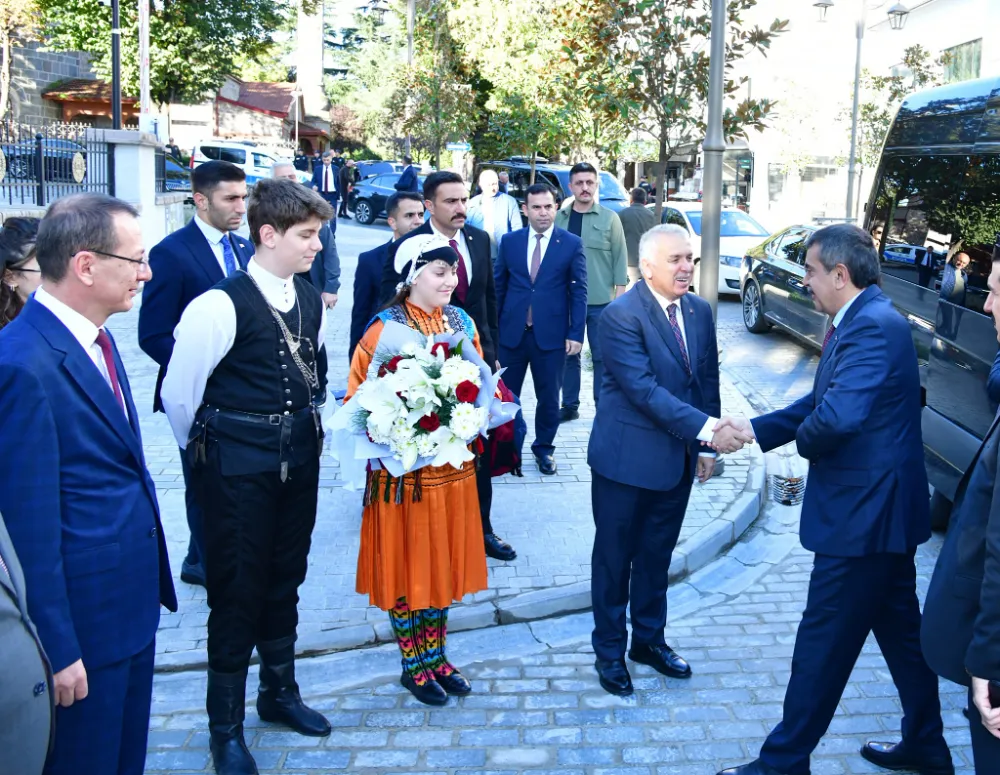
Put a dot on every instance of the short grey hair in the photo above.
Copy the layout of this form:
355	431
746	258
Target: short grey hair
278	164
845	243
74	223
327	154
647	239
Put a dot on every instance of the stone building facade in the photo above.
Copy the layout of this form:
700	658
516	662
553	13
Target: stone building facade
32	71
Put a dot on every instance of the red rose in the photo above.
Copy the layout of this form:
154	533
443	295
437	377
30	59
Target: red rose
393	363
382	370
467	392
443	347
430	422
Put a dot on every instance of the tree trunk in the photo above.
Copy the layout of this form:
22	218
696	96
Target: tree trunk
5	71
661	174
534	153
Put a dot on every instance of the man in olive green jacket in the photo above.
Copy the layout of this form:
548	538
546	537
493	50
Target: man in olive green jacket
607	275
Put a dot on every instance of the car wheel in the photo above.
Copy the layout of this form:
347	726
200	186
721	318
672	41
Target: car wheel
363	212
753	309
940	511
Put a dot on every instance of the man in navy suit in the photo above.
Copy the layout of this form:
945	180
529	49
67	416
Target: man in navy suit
408	179
865	512
326	182
78	501
405	210
961	626
659	399
541	282
185	264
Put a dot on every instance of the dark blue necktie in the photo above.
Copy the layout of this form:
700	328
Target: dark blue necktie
672	315
228	255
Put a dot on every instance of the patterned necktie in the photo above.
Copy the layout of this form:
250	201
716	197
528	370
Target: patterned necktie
228	255
462	289
536	264
829	333
104	342
672	314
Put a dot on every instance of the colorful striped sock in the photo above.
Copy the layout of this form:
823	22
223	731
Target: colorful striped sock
406	627
434	623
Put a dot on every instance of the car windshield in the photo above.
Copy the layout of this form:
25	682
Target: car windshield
611	188
734	224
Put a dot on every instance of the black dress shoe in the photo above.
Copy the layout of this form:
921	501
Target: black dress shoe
614	677
756	767
893	756
430	693
455	683
499	549
662	659
568	415
193	574
546	464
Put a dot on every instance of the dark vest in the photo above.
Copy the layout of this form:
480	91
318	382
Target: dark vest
258	376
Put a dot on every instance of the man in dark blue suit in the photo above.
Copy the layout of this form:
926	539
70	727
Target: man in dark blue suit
405	211
408	179
185	264
326	182
659	398
541	282
865	512
78	501
961	626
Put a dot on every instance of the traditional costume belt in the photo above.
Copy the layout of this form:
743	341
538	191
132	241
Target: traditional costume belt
285	424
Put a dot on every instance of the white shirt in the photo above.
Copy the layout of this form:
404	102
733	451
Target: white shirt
329	178
708	429
215	237
532	241
204	336
843	311
82	330
462	248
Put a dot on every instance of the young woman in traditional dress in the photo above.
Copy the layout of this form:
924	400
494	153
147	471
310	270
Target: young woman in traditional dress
422	550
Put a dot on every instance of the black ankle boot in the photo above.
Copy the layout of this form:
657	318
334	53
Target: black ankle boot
226	703
278	699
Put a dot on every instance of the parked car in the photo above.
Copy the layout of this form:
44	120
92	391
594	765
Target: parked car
612	194
369	168
58	155
178	177
254	162
739	233
368	197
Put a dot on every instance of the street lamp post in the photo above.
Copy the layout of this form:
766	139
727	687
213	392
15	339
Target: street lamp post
411	20
714	147
116	67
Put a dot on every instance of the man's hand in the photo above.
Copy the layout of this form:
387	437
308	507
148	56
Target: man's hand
573	348
70	684
706	467
330	300
731	433
981	699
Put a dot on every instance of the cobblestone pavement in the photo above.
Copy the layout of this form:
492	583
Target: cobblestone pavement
547	519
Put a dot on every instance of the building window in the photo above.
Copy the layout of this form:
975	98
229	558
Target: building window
962	62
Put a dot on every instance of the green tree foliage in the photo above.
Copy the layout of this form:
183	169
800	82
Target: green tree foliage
193	45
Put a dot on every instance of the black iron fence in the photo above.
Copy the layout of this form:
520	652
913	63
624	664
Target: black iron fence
161	170
40	163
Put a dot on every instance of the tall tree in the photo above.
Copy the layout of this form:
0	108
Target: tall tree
192	45
648	61
17	25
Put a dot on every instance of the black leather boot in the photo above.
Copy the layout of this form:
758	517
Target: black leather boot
278	699
226	703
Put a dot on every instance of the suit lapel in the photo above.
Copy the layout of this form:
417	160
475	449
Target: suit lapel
867	295
202	252
240	249
690	332
548	257
660	323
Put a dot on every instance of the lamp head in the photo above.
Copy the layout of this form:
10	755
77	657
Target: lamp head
897	16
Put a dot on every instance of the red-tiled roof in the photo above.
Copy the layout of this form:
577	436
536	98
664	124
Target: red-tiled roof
308	130
271	97
81	90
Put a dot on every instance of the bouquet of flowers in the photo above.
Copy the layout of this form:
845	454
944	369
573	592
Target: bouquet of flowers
425	401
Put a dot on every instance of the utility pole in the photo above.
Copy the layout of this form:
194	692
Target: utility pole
714	147
411	18
116	67
852	163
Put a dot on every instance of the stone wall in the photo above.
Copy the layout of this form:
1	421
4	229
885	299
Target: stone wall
32	70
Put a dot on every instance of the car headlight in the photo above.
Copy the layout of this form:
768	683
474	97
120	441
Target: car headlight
731	260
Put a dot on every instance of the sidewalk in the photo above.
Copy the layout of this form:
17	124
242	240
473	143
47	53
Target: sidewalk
547	519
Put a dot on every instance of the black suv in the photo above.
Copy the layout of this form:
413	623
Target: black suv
613	195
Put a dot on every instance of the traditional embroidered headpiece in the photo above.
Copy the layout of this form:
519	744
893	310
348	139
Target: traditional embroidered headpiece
417	252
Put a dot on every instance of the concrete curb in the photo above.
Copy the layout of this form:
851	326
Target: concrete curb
539	604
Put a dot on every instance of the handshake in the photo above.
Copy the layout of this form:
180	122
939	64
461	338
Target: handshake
730	434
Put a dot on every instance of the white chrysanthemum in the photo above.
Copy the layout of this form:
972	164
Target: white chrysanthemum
454	372
426	445
466	420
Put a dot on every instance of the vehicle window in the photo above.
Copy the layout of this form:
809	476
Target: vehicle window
233	155
670	215
210	151
734	224
261	160
610	188
520	179
778	244
942	214
552	180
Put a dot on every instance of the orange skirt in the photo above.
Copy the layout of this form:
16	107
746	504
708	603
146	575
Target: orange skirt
431	551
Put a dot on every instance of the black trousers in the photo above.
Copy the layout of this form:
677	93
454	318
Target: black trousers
257	535
850	597
985	747
484	487
637	530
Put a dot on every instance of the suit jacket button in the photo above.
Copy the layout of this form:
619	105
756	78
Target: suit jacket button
39	688
152	532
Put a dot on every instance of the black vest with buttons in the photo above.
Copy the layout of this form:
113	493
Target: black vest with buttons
259	376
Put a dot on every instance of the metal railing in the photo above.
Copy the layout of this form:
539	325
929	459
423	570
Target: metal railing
41	163
161	170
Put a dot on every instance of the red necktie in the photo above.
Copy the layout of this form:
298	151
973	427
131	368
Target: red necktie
672	315
104	342
829	333
462	290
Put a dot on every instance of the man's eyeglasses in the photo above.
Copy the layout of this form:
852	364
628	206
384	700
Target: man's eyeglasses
140	261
